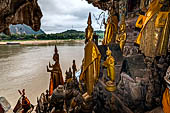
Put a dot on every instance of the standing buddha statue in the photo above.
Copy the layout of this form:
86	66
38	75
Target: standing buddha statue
155	25
56	73
92	56
111	28
121	37
110	64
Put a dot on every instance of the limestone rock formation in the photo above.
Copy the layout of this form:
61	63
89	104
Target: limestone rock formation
19	12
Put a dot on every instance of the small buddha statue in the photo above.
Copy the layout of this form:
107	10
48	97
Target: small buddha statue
121	37
56	73
110	64
68	76
74	69
26	105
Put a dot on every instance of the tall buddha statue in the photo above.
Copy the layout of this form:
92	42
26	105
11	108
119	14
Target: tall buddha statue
155	25
56	73
91	63
121	37
111	28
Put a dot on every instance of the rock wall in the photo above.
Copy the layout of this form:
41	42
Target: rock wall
19	12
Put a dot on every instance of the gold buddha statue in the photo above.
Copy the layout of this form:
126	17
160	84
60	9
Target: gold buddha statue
111	28
155	25
121	37
91	63
110	64
56	73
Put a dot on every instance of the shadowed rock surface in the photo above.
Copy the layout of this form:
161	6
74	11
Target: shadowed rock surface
19	12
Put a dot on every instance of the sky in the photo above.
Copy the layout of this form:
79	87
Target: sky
62	15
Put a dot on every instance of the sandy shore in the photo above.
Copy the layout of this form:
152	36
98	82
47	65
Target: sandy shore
39	42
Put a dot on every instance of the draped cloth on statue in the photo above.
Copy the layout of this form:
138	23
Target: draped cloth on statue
166	101
110	67
154	35
111	30
91	66
55	80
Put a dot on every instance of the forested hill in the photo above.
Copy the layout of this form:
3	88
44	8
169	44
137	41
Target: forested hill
69	34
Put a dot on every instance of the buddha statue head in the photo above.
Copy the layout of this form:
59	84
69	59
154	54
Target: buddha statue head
56	55
89	29
108	52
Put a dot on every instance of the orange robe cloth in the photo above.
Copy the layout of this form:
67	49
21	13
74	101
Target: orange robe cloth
166	101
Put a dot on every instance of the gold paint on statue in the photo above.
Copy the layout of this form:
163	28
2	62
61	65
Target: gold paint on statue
140	21
91	63
89	29
154	35
110	64
111	28
121	37
166	101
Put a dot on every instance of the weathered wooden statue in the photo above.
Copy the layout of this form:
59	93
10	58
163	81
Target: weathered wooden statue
68	76
74	69
23	104
121	37
92	56
155	25
111	28
56	73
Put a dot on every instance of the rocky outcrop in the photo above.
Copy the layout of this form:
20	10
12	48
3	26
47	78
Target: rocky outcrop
19	12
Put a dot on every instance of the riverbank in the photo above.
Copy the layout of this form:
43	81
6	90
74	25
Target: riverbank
41	42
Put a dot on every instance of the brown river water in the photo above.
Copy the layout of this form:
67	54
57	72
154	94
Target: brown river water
24	67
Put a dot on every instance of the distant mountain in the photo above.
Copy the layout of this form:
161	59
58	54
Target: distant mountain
24	29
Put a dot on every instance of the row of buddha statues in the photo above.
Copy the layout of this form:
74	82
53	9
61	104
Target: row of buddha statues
153	41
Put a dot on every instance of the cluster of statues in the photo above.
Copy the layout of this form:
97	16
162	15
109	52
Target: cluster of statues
152	40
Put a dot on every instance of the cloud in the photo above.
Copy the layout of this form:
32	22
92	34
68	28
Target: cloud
60	15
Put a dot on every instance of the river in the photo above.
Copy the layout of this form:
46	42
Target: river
24	67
